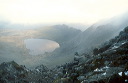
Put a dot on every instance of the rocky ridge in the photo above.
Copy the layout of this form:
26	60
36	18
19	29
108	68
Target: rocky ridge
108	64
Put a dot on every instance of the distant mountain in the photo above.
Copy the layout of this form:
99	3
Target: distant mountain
58	33
93	36
96	35
86	41
80	26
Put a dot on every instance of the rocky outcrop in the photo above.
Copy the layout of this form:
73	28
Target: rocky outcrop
40	74
11	72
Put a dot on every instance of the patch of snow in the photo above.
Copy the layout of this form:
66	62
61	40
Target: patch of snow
114	50
104	73
27	70
126	73
15	76
98	69
83	81
114	47
123	43
120	73
106	67
37	70
66	72
126	80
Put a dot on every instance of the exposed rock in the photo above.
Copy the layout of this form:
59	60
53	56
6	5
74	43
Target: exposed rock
11	72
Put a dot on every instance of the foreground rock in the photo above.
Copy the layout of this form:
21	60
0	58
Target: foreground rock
11	72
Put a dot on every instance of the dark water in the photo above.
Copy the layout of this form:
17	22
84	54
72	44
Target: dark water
40	46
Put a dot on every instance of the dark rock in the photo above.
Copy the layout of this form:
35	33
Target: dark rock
115	79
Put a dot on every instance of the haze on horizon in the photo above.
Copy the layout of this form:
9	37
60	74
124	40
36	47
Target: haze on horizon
60	11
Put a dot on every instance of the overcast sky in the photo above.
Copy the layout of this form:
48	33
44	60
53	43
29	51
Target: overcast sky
60	11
